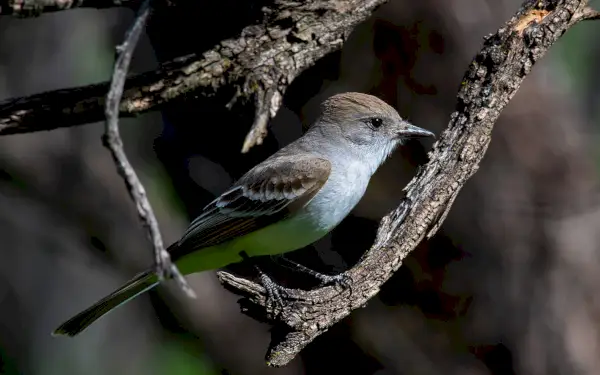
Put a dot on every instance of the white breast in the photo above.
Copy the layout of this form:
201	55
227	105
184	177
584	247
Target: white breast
341	193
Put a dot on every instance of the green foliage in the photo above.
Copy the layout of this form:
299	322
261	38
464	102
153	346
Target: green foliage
174	358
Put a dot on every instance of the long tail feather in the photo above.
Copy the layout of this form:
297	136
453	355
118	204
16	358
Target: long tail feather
133	288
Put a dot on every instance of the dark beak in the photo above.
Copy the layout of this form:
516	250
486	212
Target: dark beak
412	131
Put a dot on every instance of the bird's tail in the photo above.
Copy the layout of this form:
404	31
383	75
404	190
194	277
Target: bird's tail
133	288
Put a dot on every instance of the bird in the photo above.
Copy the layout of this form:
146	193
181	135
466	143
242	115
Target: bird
288	201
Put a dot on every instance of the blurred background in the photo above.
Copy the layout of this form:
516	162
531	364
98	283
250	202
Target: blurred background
508	286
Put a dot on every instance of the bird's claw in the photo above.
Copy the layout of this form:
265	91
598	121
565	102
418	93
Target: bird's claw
275	293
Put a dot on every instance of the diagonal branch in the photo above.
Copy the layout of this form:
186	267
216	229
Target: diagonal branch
492	79
34	8
112	141
264	59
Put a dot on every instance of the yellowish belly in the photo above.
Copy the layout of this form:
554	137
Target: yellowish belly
279	238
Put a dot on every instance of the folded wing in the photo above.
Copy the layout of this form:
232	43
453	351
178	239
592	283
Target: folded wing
266	194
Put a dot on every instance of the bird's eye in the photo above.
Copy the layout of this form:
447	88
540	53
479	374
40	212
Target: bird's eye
375	122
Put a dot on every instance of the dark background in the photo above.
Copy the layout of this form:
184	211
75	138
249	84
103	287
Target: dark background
508	286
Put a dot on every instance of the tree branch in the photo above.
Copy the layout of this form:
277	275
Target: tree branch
112	140
34	8
260	64
492	79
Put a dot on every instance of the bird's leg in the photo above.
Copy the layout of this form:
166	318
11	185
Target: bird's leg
274	290
341	279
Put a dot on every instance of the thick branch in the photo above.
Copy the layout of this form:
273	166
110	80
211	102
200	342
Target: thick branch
492	79
33	8
260	64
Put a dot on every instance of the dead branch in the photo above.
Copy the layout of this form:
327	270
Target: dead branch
492	79
260	64
113	142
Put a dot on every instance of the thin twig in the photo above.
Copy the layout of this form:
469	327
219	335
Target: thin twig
267	103
588	14
112	140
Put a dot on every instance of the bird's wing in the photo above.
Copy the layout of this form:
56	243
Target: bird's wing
267	193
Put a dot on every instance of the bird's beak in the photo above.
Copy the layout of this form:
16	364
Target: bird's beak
412	131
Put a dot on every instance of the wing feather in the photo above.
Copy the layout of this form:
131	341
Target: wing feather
269	192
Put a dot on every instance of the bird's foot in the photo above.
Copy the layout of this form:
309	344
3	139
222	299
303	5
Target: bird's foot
275	292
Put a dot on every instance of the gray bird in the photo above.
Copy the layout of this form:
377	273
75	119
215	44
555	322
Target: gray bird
290	200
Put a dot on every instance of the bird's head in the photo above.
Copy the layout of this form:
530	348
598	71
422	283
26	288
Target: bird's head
367	124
